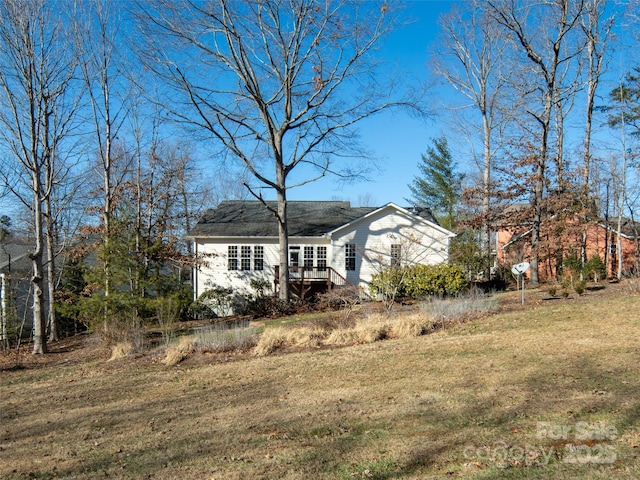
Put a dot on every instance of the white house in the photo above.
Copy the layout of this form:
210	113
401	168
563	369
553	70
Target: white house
330	243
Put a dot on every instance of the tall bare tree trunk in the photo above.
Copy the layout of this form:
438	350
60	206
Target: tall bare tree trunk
52	321
597	34
486	196
561	17
39	324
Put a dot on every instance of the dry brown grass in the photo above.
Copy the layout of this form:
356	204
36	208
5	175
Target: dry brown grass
122	350
180	350
413	325
457	403
368	329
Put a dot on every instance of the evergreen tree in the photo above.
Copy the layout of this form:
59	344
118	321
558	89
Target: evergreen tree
439	185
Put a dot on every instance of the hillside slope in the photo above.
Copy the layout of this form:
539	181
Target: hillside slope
547	391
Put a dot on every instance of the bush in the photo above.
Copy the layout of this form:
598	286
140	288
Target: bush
441	280
340	298
390	283
418	281
572	266
217	301
466	252
595	269
472	304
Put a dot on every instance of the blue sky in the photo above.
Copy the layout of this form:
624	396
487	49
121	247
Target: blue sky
399	140
396	138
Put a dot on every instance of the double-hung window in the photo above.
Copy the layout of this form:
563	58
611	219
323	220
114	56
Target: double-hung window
245	257
350	256
239	258
322	259
258	257
232	257
396	252
308	256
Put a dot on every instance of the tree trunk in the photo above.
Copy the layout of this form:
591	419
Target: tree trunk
39	325
283	240
52	322
486	196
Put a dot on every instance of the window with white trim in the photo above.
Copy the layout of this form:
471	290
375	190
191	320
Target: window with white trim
350	256
232	257
308	256
396	252
322	258
245	257
258	257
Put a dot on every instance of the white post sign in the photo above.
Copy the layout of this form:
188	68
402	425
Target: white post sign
519	269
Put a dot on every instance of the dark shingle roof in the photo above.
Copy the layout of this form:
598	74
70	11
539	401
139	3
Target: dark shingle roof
240	218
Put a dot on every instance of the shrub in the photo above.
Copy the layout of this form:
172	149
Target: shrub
224	337
595	268
211	338
467	306
340	298
441	280
217	301
419	281
122	350
390	284
466	252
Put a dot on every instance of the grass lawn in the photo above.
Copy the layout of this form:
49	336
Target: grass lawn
548	391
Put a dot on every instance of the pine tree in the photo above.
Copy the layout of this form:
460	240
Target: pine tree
440	184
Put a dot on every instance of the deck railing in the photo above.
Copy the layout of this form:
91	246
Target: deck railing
313	274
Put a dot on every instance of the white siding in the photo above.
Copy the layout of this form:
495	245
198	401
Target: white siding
215	271
420	243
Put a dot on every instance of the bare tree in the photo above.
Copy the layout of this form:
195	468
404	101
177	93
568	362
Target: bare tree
596	27
546	47
472	62
36	110
279	84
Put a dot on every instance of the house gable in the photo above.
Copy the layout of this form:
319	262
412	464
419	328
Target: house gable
419	215
377	235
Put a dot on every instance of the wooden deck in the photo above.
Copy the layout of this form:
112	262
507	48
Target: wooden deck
308	281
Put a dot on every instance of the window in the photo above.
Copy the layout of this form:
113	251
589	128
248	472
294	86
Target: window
350	257
308	256
245	257
258	258
232	257
396	252
322	258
